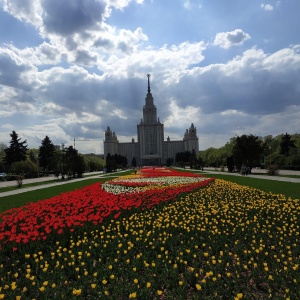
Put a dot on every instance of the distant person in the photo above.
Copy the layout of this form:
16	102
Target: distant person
243	170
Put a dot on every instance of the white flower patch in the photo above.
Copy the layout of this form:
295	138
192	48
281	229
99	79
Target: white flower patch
118	189
118	185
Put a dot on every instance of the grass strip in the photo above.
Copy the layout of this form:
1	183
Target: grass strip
289	189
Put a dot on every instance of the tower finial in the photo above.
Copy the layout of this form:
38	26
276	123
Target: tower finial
148	75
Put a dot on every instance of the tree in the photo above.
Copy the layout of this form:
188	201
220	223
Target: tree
230	163
133	162
79	165
286	144
193	159
70	156
247	150
93	162
2	155
111	163
184	158
200	162
74	164
23	169
67	161
46	154
26	168
16	150
170	161
211	157
58	165
33	155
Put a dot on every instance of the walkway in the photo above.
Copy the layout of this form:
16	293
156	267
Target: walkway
261	174
46	185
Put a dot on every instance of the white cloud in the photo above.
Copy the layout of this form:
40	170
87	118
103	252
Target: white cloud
181	115
187	4
267	7
166	61
233	38
254	83
120	4
25	10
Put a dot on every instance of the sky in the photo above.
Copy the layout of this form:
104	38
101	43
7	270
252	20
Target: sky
69	69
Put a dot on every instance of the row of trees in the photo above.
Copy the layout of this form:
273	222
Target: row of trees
116	161
58	160
189	158
282	150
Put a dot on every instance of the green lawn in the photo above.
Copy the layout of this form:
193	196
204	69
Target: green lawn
289	189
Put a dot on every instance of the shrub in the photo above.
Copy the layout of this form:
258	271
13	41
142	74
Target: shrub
19	179
26	168
273	170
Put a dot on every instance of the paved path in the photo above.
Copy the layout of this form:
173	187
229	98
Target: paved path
46	185
261	174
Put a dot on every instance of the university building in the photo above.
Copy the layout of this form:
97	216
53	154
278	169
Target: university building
150	149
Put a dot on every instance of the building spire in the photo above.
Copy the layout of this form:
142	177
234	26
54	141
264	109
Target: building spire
148	75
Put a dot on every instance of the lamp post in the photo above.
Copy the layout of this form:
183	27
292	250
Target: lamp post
63	161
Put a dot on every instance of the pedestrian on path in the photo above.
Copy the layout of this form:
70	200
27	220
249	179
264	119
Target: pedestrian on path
244	170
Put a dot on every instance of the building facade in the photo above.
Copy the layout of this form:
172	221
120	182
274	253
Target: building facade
150	149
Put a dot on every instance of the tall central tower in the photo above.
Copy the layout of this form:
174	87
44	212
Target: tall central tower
150	133
149	109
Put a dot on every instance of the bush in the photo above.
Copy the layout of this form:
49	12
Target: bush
25	168
19	179
273	170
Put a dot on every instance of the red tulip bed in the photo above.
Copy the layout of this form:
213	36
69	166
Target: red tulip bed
158	234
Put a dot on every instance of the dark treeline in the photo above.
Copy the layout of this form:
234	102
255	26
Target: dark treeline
116	161
18	160
282	151
189	158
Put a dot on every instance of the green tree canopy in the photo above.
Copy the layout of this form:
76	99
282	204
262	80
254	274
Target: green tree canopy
133	162
16	150
247	150
93	162
46	154
286	144
26	168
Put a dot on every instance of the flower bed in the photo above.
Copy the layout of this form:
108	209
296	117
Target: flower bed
93	204
223	241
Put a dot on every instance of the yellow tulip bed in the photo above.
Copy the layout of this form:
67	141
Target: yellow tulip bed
219	241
